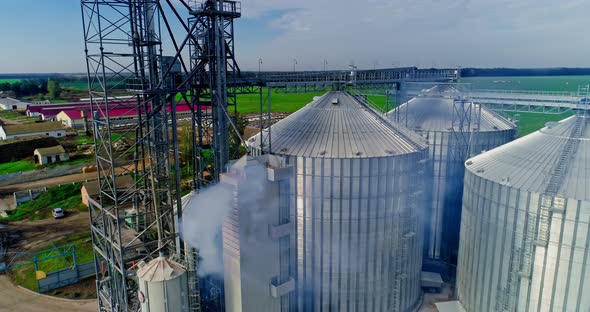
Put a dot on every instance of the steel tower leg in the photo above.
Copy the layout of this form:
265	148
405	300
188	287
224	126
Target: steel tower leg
133	218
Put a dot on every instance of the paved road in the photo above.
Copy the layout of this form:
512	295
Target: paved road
13	298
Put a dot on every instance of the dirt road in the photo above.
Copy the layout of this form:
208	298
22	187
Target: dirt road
78	177
13	298
35	235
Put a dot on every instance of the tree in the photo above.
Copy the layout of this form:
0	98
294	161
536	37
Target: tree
53	89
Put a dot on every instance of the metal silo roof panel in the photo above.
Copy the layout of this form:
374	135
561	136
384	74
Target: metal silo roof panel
527	163
347	129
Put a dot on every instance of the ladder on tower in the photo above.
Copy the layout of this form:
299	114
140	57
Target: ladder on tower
508	304
550	203
529	238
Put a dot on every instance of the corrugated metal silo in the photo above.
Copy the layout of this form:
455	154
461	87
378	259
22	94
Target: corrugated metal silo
436	119
358	206
525	230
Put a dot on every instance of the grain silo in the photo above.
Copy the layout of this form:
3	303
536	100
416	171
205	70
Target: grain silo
525	231
356	206
163	286
439	117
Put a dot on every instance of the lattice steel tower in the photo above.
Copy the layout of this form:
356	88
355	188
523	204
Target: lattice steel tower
134	217
214	83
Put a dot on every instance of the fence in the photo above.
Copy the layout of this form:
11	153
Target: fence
66	276
22	197
48	269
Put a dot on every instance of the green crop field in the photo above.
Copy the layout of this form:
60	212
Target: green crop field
16	166
544	83
531	122
9	80
81	85
280	102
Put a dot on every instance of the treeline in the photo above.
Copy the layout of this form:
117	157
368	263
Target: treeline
41	88
25	87
498	72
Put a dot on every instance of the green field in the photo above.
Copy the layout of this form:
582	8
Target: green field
280	102
9	80
81	85
16	166
531	122
543	83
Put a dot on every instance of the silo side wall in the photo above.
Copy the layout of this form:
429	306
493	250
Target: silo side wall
492	248
359	232
444	214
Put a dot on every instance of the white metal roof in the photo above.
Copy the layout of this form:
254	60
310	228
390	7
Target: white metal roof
159	270
527	163
436	114
347	129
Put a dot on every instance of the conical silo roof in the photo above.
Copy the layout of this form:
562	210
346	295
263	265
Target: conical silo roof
159	270
336	125
529	162
436	114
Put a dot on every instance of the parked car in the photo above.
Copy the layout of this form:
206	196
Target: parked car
58	213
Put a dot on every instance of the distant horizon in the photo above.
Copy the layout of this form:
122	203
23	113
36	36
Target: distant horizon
45	74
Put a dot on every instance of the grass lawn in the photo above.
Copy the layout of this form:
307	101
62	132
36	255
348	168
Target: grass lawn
18	116
531	122
27	165
80	85
67	197
281	102
16	166
9	80
83	139
25	275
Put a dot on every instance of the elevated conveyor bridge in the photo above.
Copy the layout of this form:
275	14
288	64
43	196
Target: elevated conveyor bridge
548	102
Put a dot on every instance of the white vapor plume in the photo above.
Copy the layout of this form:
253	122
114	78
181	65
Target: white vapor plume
204	216
202	221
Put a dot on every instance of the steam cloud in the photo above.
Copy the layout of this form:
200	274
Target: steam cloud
203	218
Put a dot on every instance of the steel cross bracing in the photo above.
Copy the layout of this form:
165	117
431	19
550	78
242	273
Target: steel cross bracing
214	66
134	218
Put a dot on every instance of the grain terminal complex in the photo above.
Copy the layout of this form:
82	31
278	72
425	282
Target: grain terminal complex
350	208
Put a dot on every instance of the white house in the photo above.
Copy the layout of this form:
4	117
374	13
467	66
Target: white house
8	103
72	118
50	155
54	129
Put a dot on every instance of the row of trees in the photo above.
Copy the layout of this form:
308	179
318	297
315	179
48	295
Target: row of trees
32	87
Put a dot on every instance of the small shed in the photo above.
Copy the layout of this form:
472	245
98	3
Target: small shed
50	155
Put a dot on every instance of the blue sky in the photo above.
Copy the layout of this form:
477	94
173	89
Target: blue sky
46	35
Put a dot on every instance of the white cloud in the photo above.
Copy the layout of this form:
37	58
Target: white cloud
424	32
